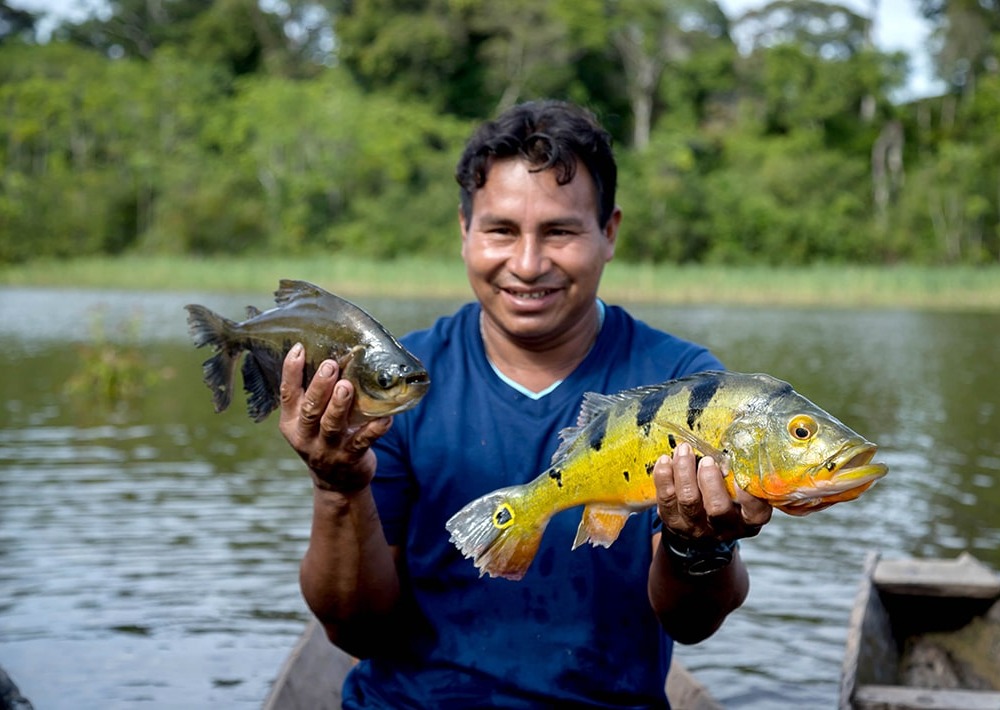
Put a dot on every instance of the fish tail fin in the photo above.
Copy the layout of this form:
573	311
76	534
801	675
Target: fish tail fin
600	525
209	328
498	532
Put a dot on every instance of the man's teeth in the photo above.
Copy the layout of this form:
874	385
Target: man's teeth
532	295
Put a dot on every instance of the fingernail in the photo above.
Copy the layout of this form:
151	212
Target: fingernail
326	369
296	350
684	448
708	461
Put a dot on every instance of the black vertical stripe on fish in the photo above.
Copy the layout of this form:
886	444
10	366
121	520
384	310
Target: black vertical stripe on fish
701	394
649	406
598	428
556	475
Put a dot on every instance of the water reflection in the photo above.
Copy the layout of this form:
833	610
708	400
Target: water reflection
150	554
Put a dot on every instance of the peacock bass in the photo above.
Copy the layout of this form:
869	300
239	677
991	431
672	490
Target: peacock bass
769	440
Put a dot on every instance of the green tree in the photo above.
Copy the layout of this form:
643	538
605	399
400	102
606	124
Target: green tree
649	35
965	40
16	23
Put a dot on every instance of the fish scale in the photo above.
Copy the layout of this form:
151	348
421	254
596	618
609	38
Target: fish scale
770	441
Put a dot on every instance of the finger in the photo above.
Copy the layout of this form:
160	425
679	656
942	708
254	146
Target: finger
316	397
686	481
367	434
290	390
715	498
337	414
663	480
755	512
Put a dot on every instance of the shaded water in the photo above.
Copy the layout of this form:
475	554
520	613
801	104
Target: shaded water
149	553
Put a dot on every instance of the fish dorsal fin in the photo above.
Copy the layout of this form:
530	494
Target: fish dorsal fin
291	290
252	312
594	405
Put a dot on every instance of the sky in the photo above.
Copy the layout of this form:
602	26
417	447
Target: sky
898	26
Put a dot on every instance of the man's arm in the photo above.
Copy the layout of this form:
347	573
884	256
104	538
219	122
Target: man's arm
694	505
348	575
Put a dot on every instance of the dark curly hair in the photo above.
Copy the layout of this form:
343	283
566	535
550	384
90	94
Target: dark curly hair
548	135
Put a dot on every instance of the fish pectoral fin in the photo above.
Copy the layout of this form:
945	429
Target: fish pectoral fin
344	363
701	447
600	525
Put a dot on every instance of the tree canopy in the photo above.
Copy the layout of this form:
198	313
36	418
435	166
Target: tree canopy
189	126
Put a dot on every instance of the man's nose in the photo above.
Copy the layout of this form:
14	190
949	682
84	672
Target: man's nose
529	260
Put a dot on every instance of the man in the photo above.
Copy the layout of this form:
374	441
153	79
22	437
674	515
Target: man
592	627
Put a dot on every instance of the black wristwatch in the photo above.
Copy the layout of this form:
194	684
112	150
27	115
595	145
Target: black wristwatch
698	558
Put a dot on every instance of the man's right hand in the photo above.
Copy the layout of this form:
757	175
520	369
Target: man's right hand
315	422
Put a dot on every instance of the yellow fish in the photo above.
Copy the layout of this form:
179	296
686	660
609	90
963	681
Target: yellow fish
769	440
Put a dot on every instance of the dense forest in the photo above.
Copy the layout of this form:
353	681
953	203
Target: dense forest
315	126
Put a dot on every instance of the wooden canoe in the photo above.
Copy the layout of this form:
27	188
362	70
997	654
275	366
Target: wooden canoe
914	626
311	677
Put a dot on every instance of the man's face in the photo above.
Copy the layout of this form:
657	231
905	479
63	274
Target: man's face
534	252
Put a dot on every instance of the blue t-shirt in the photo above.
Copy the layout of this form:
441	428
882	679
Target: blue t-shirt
578	628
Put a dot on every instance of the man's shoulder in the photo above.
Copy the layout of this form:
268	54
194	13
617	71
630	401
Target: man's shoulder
444	330
674	354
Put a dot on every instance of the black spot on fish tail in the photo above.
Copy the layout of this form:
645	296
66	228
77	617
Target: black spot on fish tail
649	468
672	442
649	406
556	475
701	394
598	428
502	516
625	473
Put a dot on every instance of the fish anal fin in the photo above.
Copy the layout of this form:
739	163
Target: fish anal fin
262	388
601	525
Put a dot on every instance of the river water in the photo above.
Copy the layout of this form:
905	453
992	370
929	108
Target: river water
149	549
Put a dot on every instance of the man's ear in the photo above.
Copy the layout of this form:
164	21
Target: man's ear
463	228
611	232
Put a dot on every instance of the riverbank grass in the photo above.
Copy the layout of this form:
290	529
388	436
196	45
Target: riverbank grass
833	286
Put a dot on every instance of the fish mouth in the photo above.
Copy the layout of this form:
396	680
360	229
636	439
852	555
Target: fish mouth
405	395
852	467
842	477
417	379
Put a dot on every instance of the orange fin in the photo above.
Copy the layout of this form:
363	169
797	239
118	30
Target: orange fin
600	525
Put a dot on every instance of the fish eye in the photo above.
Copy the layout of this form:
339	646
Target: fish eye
386	380
803	427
